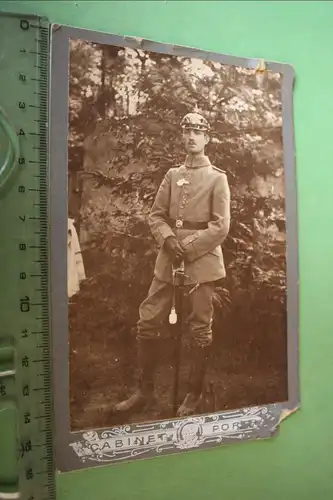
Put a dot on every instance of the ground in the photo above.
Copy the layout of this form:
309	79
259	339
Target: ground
103	362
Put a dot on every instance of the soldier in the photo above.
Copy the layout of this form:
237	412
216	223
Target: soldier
189	220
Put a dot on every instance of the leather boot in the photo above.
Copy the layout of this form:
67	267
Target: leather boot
145	389
196	382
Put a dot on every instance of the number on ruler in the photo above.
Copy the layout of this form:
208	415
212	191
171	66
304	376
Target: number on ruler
26	447
25	304
25	361
24	333
26	390
29	474
24	24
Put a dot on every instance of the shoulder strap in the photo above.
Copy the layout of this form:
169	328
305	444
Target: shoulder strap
219	169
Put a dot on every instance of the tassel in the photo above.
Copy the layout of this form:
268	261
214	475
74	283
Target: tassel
173	316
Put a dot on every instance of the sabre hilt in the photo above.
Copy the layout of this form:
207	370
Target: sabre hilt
179	274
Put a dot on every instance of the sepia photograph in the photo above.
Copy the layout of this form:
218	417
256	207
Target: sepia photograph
176	248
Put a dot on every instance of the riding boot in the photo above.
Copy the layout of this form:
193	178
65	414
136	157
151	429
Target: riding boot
145	388
196	381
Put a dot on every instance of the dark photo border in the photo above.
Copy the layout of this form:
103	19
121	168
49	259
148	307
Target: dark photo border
83	449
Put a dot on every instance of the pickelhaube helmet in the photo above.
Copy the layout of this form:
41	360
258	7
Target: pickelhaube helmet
195	121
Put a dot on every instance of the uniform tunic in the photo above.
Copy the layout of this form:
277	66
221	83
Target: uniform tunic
194	193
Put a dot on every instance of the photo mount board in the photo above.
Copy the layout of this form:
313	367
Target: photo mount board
82	449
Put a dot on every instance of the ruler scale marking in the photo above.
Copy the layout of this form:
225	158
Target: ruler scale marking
26	62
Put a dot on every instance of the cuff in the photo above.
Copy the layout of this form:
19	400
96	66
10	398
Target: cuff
163	233
189	247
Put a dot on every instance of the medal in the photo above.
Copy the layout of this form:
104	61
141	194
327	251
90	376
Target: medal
182	181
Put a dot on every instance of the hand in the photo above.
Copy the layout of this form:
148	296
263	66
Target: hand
174	249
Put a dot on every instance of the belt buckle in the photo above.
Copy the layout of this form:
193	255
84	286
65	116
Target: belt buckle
179	223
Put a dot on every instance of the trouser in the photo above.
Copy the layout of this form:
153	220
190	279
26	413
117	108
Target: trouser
155	309
153	312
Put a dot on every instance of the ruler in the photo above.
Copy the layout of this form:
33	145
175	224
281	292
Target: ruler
25	344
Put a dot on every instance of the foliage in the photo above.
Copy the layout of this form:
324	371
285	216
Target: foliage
125	108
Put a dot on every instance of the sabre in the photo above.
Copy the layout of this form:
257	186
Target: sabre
177	317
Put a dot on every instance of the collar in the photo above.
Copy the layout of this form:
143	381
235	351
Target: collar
196	161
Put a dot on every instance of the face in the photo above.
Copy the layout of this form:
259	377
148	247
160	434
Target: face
194	140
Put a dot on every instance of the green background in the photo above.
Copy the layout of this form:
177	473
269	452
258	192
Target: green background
298	463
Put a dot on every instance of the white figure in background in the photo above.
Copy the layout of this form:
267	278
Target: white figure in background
75	267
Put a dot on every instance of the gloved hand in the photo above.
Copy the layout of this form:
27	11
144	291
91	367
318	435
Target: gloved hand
174	249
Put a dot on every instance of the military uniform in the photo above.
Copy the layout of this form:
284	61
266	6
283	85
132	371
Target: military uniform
192	204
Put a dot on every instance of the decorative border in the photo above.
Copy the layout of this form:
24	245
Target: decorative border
79	450
146	440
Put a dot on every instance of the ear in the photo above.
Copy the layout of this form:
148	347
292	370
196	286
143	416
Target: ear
207	139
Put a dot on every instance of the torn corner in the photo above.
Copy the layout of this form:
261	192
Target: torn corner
56	27
286	412
261	66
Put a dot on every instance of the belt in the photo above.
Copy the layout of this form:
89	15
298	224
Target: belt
185	224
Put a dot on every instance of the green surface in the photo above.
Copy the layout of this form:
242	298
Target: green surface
8	458
298	463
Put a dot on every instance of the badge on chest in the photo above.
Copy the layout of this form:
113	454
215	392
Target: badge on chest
182	182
